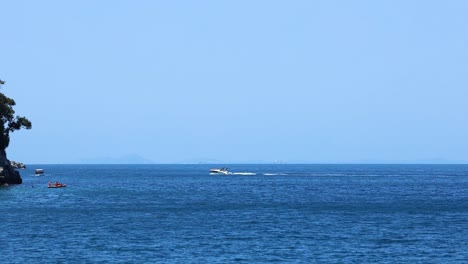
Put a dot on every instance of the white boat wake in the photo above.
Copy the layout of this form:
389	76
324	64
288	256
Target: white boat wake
225	171
243	173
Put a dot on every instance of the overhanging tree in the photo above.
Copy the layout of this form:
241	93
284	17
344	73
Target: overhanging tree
8	121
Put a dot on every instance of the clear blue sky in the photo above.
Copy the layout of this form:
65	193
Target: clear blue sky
238	81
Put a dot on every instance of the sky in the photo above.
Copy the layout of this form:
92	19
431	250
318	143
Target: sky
237	81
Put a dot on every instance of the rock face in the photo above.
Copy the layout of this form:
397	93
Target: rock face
8	175
17	165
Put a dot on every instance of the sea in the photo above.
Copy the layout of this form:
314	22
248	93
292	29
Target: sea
277	213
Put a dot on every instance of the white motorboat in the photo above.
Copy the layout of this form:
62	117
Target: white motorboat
38	172
223	171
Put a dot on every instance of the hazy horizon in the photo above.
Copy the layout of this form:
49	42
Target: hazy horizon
137	160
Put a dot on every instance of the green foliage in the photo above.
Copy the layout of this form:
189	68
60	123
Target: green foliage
8	121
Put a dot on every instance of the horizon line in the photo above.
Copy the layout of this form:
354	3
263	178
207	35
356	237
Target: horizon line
263	163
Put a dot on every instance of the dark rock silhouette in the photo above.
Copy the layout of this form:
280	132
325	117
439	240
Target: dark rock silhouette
8	175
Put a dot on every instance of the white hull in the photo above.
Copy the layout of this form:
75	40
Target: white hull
222	171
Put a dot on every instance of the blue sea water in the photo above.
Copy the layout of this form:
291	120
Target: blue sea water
264	214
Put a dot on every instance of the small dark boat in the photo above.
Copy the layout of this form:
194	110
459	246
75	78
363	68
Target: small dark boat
38	172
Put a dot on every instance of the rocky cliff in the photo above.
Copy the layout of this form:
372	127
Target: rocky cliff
17	165
8	175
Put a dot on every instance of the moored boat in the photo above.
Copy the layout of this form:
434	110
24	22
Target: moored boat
56	185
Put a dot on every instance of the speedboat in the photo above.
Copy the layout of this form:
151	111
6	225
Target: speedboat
38	172
223	171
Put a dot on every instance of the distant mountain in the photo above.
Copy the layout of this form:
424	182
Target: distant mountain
127	159
217	161
200	161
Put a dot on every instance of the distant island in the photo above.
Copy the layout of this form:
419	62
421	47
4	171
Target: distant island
127	159
9	123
